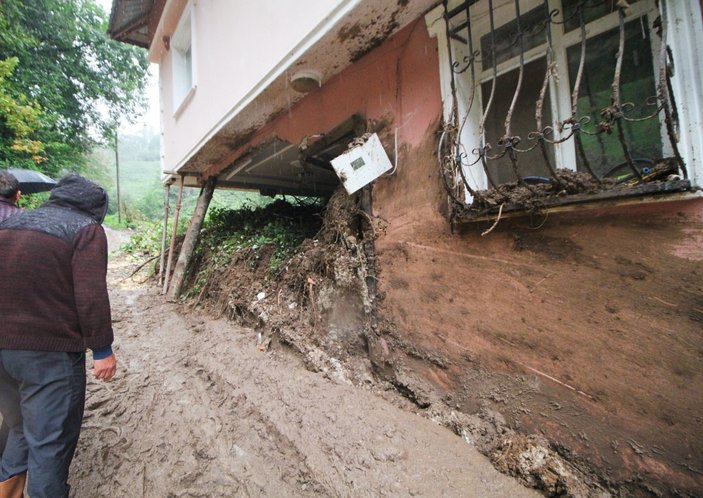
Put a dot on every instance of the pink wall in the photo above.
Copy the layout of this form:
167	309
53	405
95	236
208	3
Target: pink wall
227	68
397	82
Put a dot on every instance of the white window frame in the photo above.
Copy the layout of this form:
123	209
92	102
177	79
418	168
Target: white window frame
184	60
559	88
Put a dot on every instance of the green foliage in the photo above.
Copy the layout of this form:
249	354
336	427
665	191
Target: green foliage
146	240
113	221
279	225
141	191
19	118
33	201
77	80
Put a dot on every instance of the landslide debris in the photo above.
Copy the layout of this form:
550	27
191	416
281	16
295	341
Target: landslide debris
297	274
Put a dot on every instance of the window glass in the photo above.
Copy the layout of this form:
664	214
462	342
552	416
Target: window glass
523	121
182	50
507	40
637	84
592	10
188	56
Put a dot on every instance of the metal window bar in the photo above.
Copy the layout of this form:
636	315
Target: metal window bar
454	162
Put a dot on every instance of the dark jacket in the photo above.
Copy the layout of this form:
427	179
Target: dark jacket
7	209
53	265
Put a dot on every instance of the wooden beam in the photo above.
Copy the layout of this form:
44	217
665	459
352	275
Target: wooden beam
164	235
191	238
171	250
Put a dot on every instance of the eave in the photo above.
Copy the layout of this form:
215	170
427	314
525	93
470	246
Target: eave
134	21
341	40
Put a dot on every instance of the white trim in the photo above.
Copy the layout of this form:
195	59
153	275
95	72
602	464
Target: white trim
339	13
436	30
685	36
184	102
183	59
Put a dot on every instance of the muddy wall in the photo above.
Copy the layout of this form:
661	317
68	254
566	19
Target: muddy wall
583	327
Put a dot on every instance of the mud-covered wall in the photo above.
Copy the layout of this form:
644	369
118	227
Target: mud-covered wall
583	327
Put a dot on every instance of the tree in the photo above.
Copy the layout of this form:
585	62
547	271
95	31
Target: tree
67	67
19	118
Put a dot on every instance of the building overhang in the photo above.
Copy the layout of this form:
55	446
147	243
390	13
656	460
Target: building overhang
135	21
344	38
352	30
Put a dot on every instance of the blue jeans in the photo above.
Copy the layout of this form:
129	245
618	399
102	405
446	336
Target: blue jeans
42	396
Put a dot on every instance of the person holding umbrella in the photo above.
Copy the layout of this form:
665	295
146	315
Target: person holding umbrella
53	306
9	195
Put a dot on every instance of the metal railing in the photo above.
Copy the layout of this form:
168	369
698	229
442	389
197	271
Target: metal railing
453	156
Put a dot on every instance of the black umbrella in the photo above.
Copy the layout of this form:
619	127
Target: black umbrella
32	181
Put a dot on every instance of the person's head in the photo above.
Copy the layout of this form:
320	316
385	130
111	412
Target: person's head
9	186
78	193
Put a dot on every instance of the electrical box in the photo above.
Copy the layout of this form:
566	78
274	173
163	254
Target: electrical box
361	164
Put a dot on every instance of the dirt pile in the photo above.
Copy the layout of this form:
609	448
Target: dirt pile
315	300
532	461
534	192
318	303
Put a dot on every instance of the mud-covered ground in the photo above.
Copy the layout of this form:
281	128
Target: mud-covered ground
196	409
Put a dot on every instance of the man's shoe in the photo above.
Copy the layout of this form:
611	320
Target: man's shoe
14	486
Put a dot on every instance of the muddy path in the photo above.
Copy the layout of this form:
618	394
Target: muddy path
197	410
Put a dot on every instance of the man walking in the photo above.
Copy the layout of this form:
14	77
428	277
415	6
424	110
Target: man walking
9	195
53	306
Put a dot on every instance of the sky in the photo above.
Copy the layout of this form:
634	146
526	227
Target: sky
150	118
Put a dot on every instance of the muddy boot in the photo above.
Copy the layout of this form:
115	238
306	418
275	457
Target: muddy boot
13	487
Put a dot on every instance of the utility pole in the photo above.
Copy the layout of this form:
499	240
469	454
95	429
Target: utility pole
117	174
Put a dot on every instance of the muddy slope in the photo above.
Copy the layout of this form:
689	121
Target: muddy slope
198	410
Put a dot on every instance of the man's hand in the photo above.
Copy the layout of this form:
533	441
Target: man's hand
105	369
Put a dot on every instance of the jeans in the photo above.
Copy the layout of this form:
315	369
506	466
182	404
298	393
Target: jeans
42	397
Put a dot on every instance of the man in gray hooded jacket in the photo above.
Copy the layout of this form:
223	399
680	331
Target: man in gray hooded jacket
53	306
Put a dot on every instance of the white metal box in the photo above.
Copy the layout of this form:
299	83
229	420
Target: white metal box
361	164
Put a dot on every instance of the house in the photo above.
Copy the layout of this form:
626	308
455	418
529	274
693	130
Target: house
544	214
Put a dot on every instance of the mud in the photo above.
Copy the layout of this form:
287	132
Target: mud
319	306
581	328
197	409
532	196
558	348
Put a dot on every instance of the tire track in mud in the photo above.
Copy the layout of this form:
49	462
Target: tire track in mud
196	410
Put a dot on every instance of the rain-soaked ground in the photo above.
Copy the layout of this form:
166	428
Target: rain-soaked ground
197	410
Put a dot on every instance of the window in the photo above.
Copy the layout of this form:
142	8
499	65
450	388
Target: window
182	48
637	85
516	115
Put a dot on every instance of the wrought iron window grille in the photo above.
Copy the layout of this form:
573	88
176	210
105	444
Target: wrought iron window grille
632	175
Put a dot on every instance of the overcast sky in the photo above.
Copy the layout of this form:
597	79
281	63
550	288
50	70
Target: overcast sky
151	115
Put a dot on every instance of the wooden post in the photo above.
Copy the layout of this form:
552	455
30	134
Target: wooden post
173	236
191	238
164	233
117	177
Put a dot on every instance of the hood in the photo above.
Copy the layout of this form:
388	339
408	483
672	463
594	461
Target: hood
79	194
